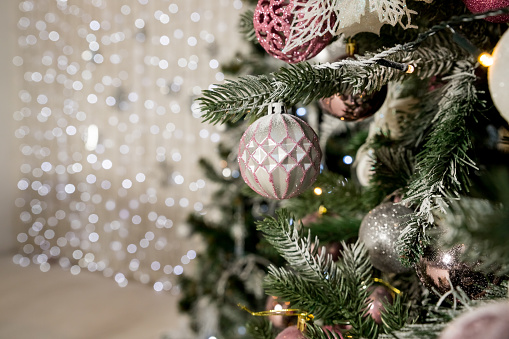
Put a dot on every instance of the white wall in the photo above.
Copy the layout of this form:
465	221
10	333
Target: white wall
8	167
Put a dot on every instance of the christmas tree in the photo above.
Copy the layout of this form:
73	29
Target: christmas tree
392	212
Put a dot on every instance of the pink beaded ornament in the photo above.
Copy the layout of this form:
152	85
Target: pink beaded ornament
272	22
291	332
279	155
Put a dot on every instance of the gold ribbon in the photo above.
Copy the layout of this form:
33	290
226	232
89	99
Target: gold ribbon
386	284
302	316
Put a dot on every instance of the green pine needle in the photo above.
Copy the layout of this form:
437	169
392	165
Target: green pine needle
260	328
249	96
444	165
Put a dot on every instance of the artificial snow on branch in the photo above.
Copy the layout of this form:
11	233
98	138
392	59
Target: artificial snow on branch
444	165
329	290
249	96
301	252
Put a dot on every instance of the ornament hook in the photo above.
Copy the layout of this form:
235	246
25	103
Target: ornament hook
302	316
277	108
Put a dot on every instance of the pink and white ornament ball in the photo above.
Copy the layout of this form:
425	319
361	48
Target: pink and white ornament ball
279	155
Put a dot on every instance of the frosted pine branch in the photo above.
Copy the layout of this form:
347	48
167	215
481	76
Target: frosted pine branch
444	165
300	252
249	96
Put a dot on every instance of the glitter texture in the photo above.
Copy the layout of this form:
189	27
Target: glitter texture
437	269
279	155
479	6
379	232
354	107
272	23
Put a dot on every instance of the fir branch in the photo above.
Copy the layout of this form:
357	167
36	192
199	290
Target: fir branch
412	331
282	233
482	227
395	315
234	100
249	96
312	296
335	228
314	331
418	125
393	169
354	263
260	328
443	166
340	197
334	291
246	26
413	240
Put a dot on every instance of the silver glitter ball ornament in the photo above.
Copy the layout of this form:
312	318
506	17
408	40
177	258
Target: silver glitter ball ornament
379	232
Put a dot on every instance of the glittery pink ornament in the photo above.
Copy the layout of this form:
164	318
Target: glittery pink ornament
279	155
272	22
352	107
479	6
291	332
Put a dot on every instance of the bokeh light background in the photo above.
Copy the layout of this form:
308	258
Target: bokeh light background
109	135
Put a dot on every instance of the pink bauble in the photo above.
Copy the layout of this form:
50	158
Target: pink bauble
488	322
279	155
379	295
479	6
352	107
272	22
291	332
274	303
334	329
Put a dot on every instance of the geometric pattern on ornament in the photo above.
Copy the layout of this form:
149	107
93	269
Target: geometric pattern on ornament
278	154
251	147
279	181
263	180
288	163
296	132
259	155
278	128
298	153
252	165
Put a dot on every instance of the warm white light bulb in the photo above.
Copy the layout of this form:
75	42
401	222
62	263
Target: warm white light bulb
486	59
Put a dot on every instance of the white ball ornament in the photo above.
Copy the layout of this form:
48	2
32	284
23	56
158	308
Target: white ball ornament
279	155
498	76
488	322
